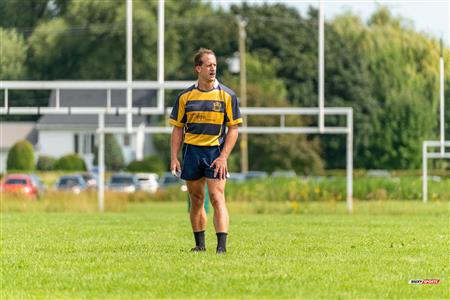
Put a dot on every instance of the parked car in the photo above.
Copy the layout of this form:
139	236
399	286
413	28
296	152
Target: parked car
168	180
72	183
284	174
256	175
148	181
90	180
236	177
26	184
124	182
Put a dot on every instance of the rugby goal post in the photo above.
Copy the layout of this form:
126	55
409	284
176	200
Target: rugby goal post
442	144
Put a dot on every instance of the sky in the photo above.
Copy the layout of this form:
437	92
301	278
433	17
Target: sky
429	16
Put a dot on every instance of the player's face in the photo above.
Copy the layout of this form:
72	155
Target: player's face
207	71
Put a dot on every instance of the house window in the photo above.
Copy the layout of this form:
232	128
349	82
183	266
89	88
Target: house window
88	145
75	143
126	140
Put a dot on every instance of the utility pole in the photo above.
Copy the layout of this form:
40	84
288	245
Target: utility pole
243	94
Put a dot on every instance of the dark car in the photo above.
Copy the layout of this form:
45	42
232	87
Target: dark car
127	183
236	177
256	175
72	183
284	174
90	180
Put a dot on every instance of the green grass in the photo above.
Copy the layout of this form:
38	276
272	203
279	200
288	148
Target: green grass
318	252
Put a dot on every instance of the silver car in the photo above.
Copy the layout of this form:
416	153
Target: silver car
127	183
148	181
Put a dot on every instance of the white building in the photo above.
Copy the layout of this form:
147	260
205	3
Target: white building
64	134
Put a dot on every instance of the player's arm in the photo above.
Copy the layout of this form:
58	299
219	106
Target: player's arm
230	141
220	164
177	119
175	145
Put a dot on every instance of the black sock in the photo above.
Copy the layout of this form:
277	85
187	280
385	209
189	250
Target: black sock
222	240
199	238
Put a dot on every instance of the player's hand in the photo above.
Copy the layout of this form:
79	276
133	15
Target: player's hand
175	167
220	167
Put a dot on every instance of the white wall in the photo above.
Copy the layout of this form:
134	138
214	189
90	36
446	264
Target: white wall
3	157
55	143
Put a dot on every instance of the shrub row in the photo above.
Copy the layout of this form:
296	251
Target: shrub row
21	158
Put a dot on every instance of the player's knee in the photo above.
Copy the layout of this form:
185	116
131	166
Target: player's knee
216	198
197	200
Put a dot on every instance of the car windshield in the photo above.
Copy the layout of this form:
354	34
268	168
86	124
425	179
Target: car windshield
18	181
70	182
87	177
122	180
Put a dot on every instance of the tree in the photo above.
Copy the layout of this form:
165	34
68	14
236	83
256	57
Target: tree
408	96
13	55
24	14
20	156
275	152
281	32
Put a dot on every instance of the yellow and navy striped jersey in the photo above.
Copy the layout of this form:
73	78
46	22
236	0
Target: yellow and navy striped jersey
204	114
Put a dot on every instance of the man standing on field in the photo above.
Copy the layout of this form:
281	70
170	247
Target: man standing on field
200	117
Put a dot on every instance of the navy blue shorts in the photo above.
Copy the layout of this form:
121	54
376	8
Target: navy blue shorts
197	161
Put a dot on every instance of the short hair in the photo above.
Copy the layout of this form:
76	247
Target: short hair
198	56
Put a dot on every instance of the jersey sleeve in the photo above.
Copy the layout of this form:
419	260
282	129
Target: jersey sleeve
178	114
233	113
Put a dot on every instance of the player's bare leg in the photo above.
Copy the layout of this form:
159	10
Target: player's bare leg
196	189
216	190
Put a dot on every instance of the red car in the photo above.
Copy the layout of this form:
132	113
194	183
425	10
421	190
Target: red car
26	184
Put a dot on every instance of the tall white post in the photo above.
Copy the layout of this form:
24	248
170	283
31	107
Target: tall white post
101	162
129	64
442	108
321	66
160	104
424	172
58	98
6	99
350	161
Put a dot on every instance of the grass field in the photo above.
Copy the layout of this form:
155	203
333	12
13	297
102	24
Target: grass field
318	252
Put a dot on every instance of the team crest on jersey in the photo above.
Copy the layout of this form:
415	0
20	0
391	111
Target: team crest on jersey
217	106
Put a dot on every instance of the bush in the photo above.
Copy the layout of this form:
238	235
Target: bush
45	163
70	162
21	156
150	164
114	160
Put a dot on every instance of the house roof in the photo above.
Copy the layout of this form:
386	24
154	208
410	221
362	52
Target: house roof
11	132
94	98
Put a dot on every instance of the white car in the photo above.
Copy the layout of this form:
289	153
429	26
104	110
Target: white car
148	181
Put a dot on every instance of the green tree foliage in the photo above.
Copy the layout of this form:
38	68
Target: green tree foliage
275	152
70	162
408	96
282	33
13	51
20	156
114	160
45	163
24	15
